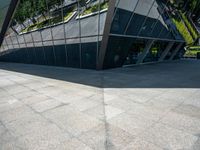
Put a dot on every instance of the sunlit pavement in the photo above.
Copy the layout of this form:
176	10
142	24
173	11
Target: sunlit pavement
149	107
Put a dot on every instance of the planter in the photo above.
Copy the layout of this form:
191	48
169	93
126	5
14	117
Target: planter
49	25
91	14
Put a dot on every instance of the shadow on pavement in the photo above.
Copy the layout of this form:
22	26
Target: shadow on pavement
176	74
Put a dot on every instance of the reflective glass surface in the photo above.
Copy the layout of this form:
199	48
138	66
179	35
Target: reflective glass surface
4	4
56	32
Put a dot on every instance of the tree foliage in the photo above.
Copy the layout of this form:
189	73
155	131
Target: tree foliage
189	6
31	8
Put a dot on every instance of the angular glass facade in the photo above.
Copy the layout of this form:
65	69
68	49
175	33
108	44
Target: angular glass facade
135	24
91	34
56	32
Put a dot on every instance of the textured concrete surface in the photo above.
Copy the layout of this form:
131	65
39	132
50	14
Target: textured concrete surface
149	107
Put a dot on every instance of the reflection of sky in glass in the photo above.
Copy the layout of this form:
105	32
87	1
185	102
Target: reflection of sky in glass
3	10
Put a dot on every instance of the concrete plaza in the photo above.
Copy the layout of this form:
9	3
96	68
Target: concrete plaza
148	107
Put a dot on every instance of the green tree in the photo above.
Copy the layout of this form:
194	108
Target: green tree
31	8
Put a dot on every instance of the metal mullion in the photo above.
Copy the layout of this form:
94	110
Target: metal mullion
15	43
6	43
45	59
80	44
51	33
33	43
27	51
97	51
131	17
106	32
17	40
150	38
9	49
163	29
146	17
115	10
66	53
87	36
157	20
11	41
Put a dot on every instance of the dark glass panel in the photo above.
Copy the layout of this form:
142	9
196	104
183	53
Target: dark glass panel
134	51
120	21
49	54
88	55
156	51
117	51
60	55
73	53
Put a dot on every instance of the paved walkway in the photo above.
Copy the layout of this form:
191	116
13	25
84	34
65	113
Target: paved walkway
149	107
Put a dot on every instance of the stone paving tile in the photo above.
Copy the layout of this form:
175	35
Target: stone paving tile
7	141
46	105
45	136
50	91
5	83
103	113
138	98
71	120
164	103
119	109
3	93
196	145
132	124
134	108
15	114
11	145
98	96
108	97
139	144
10	104
84	104
19	79
23	95
188	110
151	113
66	98
111	112
73	144
69	96
36	84
6	98
97	112
27	124
85	93
193	100
169	138
106	137
16	89
34	99
182	122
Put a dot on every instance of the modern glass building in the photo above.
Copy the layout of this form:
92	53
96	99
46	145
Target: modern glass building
88	34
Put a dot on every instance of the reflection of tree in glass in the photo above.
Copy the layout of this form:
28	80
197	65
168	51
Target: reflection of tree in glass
189	6
29	9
